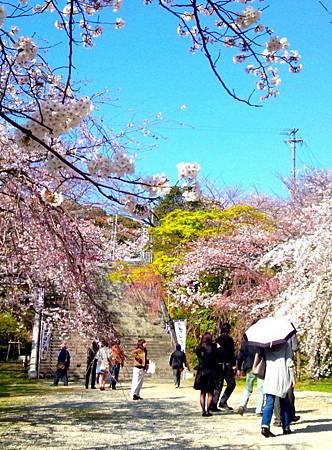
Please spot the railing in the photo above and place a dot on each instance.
(169, 323)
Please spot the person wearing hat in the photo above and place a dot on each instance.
(62, 365)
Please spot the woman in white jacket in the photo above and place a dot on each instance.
(279, 376)
(103, 363)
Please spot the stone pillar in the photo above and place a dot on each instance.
(34, 358)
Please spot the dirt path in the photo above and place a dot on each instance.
(167, 418)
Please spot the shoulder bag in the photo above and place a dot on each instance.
(259, 366)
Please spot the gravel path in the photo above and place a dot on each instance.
(168, 418)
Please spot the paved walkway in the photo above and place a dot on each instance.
(168, 418)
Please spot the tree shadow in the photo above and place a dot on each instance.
(328, 421)
(163, 424)
(303, 411)
(119, 423)
(316, 428)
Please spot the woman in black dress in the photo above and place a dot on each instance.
(206, 373)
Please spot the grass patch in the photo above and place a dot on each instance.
(14, 382)
(321, 385)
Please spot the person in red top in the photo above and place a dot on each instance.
(117, 361)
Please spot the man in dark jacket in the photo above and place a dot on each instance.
(91, 365)
(177, 361)
(62, 366)
(245, 362)
(226, 366)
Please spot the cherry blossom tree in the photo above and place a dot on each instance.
(303, 264)
(54, 124)
(45, 244)
(43, 104)
(219, 271)
(213, 27)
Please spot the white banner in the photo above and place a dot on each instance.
(38, 298)
(44, 341)
(180, 327)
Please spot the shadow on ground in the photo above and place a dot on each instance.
(119, 424)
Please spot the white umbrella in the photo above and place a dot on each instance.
(270, 331)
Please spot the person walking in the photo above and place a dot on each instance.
(91, 365)
(277, 381)
(103, 363)
(62, 366)
(140, 365)
(206, 373)
(177, 361)
(294, 343)
(117, 361)
(226, 368)
(244, 363)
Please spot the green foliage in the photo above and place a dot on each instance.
(211, 282)
(164, 264)
(199, 321)
(172, 201)
(322, 385)
(181, 226)
(11, 329)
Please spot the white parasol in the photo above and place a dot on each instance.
(270, 331)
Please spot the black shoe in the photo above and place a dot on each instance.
(225, 406)
(266, 432)
(240, 410)
(286, 431)
(93, 387)
(295, 419)
(137, 397)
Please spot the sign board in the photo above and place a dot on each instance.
(38, 298)
(180, 327)
(44, 341)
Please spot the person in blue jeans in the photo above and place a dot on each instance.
(278, 379)
(244, 363)
(62, 366)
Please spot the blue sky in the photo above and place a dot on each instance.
(150, 70)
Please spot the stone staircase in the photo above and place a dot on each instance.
(133, 321)
(159, 349)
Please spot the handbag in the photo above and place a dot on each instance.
(103, 366)
(259, 366)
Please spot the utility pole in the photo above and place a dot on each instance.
(293, 141)
(114, 236)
